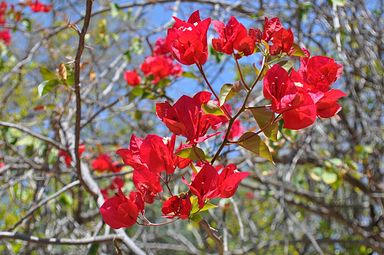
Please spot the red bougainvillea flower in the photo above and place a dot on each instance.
(281, 38)
(157, 155)
(270, 27)
(295, 105)
(327, 106)
(5, 36)
(3, 10)
(160, 67)
(119, 211)
(161, 48)
(205, 184)
(132, 78)
(317, 73)
(233, 36)
(153, 152)
(236, 130)
(147, 183)
(177, 206)
(37, 6)
(187, 118)
(137, 198)
(304, 94)
(187, 40)
(282, 41)
(229, 180)
(67, 157)
(104, 163)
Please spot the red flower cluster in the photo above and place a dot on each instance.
(132, 78)
(187, 40)
(234, 36)
(187, 118)
(67, 157)
(281, 38)
(104, 163)
(301, 96)
(3, 11)
(208, 184)
(37, 6)
(5, 35)
(158, 66)
(120, 211)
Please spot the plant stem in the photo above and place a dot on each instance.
(242, 109)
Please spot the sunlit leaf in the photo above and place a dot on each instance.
(47, 86)
(264, 117)
(252, 142)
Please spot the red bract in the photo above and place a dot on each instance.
(154, 153)
(233, 36)
(3, 10)
(177, 206)
(270, 27)
(147, 183)
(229, 180)
(104, 163)
(161, 48)
(137, 199)
(236, 130)
(157, 155)
(187, 40)
(5, 36)
(67, 156)
(119, 211)
(281, 38)
(36, 6)
(282, 41)
(327, 106)
(160, 67)
(205, 184)
(318, 73)
(295, 105)
(187, 118)
(132, 78)
(302, 95)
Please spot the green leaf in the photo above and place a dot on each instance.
(46, 87)
(70, 76)
(195, 206)
(338, 2)
(189, 75)
(264, 116)
(194, 153)
(316, 173)
(114, 9)
(212, 108)
(226, 93)
(137, 92)
(252, 142)
(298, 51)
(47, 74)
(329, 177)
(27, 23)
(196, 218)
(93, 249)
